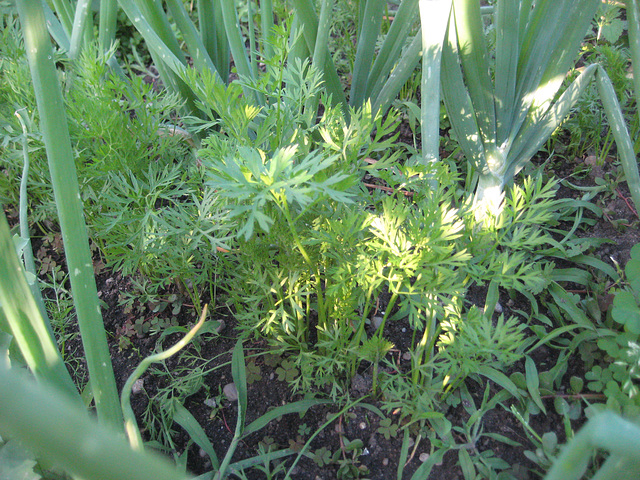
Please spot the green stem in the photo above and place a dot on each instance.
(131, 428)
(321, 304)
(27, 252)
(620, 133)
(633, 22)
(69, 204)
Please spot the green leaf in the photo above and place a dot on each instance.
(613, 30)
(16, 463)
(468, 469)
(239, 374)
(626, 311)
(533, 383)
(183, 417)
(632, 271)
(499, 378)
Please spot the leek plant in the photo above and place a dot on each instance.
(219, 36)
(605, 431)
(503, 112)
(67, 194)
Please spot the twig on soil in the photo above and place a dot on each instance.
(626, 200)
(225, 421)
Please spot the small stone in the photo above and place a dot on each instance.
(385, 461)
(406, 356)
(202, 453)
(362, 426)
(411, 442)
(591, 160)
(404, 330)
(376, 322)
(230, 391)
(498, 307)
(210, 402)
(424, 457)
(220, 327)
(137, 386)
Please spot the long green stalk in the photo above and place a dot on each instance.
(25, 322)
(305, 12)
(371, 22)
(606, 431)
(434, 15)
(27, 253)
(633, 22)
(107, 24)
(620, 133)
(80, 27)
(69, 204)
(198, 51)
(391, 49)
(131, 428)
(398, 76)
(61, 431)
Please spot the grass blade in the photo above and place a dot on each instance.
(183, 417)
(533, 383)
(68, 202)
(239, 374)
(295, 407)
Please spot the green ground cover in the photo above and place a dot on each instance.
(333, 240)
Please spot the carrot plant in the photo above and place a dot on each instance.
(23, 324)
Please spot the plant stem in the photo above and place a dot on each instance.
(69, 204)
(322, 315)
(131, 427)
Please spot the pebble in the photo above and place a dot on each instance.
(220, 327)
(406, 356)
(385, 461)
(362, 425)
(424, 457)
(137, 386)
(210, 402)
(498, 307)
(230, 391)
(376, 322)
